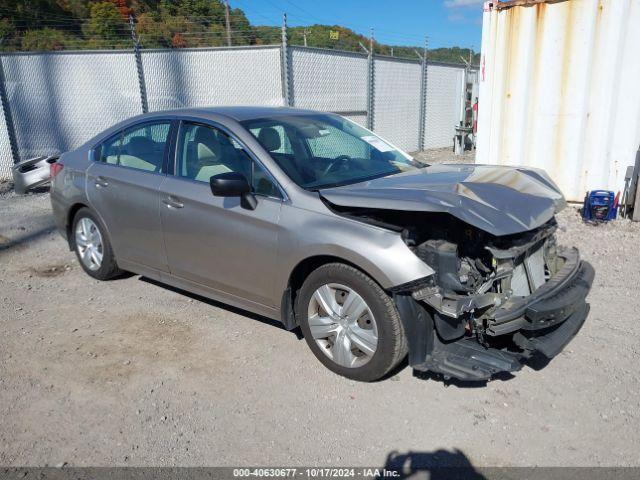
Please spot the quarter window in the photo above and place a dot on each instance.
(205, 151)
(141, 147)
(110, 149)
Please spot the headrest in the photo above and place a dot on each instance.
(208, 138)
(140, 146)
(269, 138)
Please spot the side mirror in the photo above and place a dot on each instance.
(230, 184)
(233, 184)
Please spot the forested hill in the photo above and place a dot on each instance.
(32, 25)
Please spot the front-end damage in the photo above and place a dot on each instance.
(493, 301)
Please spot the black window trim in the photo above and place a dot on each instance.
(172, 170)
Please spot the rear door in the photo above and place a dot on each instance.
(214, 241)
(122, 186)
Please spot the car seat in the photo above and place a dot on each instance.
(140, 153)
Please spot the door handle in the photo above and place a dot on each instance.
(172, 202)
(101, 182)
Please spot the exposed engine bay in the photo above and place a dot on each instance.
(475, 271)
(481, 290)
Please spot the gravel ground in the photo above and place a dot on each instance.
(129, 372)
(444, 155)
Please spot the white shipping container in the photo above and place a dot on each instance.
(560, 89)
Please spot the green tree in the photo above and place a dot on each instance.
(44, 39)
(105, 25)
(201, 11)
(153, 32)
(242, 33)
(7, 30)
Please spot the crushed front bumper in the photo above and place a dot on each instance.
(544, 323)
(549, 305)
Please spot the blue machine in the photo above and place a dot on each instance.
(600, 206)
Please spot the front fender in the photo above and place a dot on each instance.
(379, 252)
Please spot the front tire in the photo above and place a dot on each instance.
(92, 246)
(350, 324)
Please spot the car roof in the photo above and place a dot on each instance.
(237, 113)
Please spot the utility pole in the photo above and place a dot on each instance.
(228, 22)
(304, 35)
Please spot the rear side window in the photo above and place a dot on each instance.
(140, 147)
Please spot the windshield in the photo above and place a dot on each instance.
(325, 150)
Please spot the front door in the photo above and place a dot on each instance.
(214, 241)
(122, 186)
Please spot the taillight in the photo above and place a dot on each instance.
(55, 169)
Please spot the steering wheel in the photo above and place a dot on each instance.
(338, 163)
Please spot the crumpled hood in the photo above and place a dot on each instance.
(500, 200)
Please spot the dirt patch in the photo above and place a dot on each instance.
(50, 271)
(114, 348)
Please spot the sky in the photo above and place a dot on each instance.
(448, 23)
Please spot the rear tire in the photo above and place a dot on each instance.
(359, 335)
(92, 246)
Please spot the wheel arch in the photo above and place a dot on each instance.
(297, 277)
(71, 214)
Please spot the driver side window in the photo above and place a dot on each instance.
(205, 151)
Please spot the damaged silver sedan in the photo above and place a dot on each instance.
(310, 219)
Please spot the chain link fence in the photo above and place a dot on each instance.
(445, 104)
(396, 114)
(6, 159)
(59, 100)
(212, 76)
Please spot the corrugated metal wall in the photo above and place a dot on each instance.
(203, 77)
(560, 90)
(397, 101)
(60, 100)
